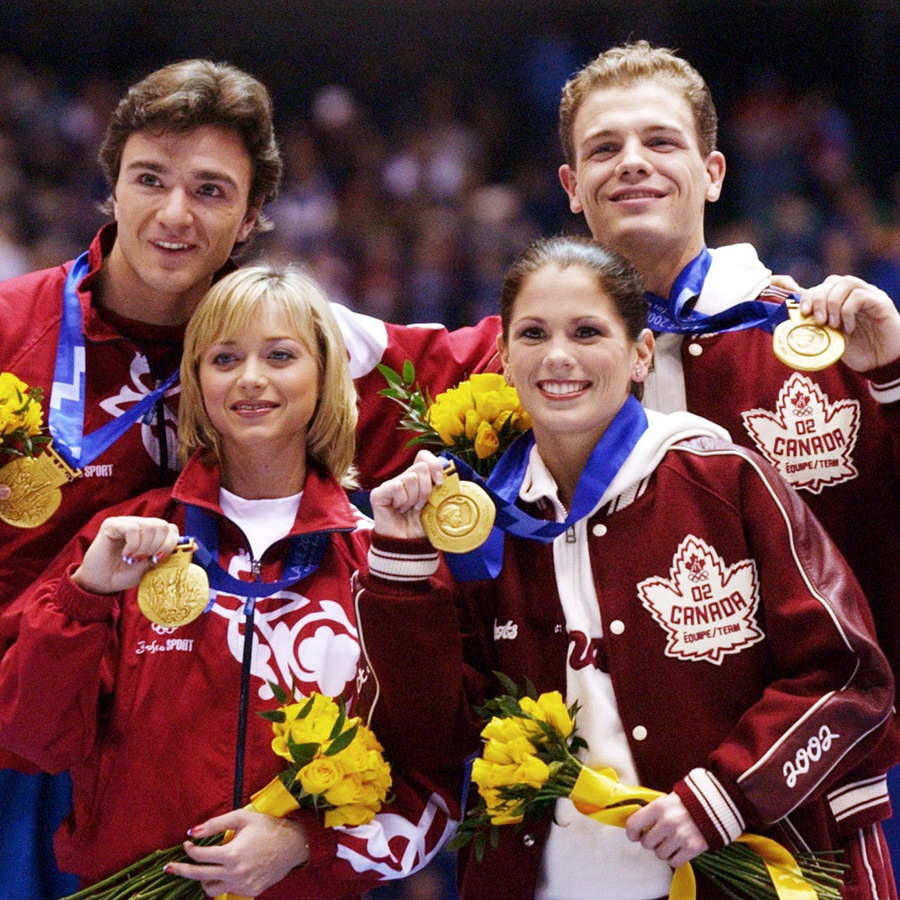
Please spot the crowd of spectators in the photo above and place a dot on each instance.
(418, 221)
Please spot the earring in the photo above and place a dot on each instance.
(507, 377)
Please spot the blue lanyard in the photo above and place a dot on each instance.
(672, 314)
(66, 416)
(303, 557)
(505, 482)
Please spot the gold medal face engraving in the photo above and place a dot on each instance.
(176, 591)
(458, 516)
(35, 484)
(803, 344)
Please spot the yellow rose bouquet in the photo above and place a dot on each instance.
(477, 420)
(21, 417)
(335, 764)
(528, 762)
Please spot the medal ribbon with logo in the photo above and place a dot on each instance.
(66, 418)
(504, 483)
(35, 483)
(177, 591)
(797, 340)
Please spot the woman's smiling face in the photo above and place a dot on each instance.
(260, 387)
(569, 353)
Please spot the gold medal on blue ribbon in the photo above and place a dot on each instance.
(34, 484)
(176, 591)
(801, 343)
(459, 514)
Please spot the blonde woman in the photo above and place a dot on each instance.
(159, 725)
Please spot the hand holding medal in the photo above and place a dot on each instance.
(459, 515)
(175, 591)
(126, 550)
(801, 343)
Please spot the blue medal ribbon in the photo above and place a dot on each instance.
(303, 557)
(675, 315)
(505, 482)
(67, 399)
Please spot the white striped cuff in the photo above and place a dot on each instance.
(886, 393)
(850, 799)
(405, 567)
(716, 803)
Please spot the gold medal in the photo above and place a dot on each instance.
(34, 483)
(803, 344)
(176, 591)
(459, 515)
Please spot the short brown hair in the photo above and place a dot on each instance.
(225, 310)
(631, 64)
(195, 92)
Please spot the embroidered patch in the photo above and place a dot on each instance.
(808, 439)
(706, 608)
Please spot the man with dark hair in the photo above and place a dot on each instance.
(191, 159)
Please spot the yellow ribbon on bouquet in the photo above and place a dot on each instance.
(598, 794)
(273, 800)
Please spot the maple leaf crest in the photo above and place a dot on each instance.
(709, 621)
(808, 438)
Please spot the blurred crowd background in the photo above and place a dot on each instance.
(420, 135)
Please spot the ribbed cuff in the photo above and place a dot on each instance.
(82, 605)
(858, 804)
(402, 560)
(884, 383)
(710, 807)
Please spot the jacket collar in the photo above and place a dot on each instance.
(323, 507)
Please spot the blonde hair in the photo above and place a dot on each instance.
(225, 310)
(631, 64)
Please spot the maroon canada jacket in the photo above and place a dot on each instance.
(782, 709)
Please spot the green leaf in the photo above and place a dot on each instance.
(279, 692)
(390, 376)
(342, 741)
(305, 710)
(338, 726)
(507, 684)
(409, 372)
(302, 754)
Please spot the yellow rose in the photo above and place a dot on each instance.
(513, 751)
(473, 420)
(492, 775)
(501, 811)
(486, 441)
(33, 419)
(506, 729)
(12, 397)
(532, 771)
(316, 726)
(345, 790)
(366, 738)
(448, 422)
(550, 708)
(349, 814)
(320, 775)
